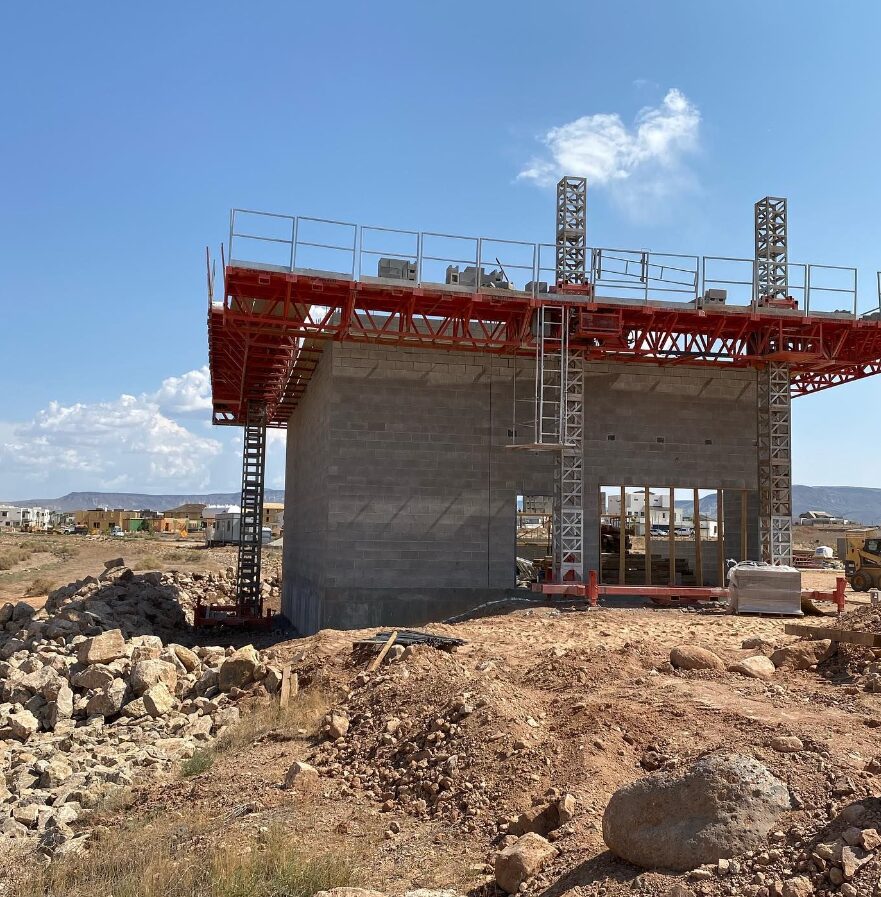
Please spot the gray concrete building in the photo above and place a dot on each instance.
(402, 484)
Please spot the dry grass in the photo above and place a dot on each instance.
(148, 562)
(303, 713)
(301, 717)
(42, 585)
(9, 557)
(168, 857)
(200, 762)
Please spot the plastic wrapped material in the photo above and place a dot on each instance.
(764, 589)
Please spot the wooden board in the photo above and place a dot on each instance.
(289, 685)
(849, 636)
(381, 656)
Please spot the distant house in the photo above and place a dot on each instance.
(104, 520)
(822, 518)
(191, 515)
(25, 519)
(273, 516)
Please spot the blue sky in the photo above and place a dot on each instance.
(130, 130)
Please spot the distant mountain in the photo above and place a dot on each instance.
(857, 503)
(81, 501)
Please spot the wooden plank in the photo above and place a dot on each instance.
(374, 664)
(849, 636)
(289, 685)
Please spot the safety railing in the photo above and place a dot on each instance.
(640, 275)
(340, 248)
(874, 314)
(831, 288)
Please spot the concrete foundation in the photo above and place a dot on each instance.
(401, 489)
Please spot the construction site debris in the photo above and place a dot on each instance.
(406, 638)
(90, 699)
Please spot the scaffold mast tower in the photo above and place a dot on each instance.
(563, 369)
(773, 391)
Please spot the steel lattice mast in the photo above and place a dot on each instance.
(774, 421)
(771, 250)
(571, 271)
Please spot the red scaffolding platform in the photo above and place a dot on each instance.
(266, 335)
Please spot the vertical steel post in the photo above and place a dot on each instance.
(774, 426)
(671, 535)
(251, 520)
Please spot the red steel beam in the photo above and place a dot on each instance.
(265, 339)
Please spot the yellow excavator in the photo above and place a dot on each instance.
(861, 552)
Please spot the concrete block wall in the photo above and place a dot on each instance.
(401, 457)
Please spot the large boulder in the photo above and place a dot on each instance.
(188, 658)
(108, 701)
(722, 807)
(756, 667)
(692, 657)
(102, 648)
(238, 669)
(301, 776)
(147, 673)
(521, 860)
(158, 700)
(93, 677)
(23, 724)
(802, 655)
(61, 708)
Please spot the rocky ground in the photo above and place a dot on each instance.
(95, 691)
(741, 760)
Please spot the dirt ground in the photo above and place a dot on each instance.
(569, 699)
(59, 559)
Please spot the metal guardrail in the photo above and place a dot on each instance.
(288, 243)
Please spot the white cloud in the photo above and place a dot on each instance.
(645, 161)
(188, 394)
(129, 441)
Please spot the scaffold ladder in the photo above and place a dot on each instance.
(251, 521)
(775, 463)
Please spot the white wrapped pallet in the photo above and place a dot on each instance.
(764, 589)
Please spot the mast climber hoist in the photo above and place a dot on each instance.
(559, 394)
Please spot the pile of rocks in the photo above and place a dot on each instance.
(764, 661)
(137, 603)
(88, 699)
(408, 744)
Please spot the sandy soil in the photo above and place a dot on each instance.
(581, 690)
(60, 559)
